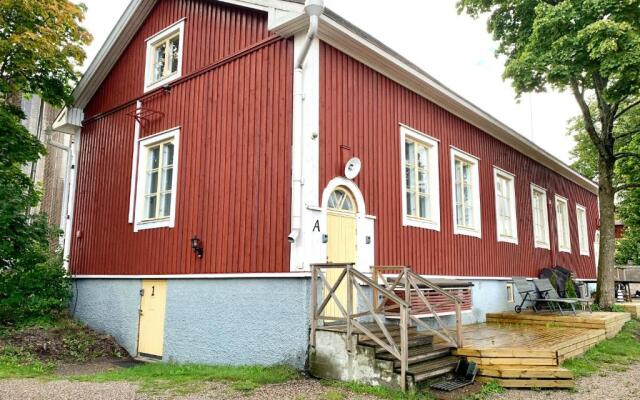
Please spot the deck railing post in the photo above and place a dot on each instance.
(313, 306)
(459, 324)
(407, 290)
(350, 282)
(374, 290)
(404, 346)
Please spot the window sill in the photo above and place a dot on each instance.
(565, 251)
(585, 254)
(163, 223)
(407, 221)
(149, 87)
(542, 246)
(509, 240)
(467, 232)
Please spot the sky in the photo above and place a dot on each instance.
(454, 49)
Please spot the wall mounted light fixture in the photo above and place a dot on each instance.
(196, 246)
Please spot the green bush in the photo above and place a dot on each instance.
(33, 282)
(570, 289)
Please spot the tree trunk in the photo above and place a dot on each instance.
(606, 263)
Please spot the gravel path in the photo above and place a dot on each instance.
(606, 385)
(33, 389)
(610, 385)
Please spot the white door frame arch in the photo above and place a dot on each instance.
(365, 241)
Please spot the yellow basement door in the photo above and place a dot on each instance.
(152, 307)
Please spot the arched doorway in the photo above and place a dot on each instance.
(341, 245)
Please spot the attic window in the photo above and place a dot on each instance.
(164, 56)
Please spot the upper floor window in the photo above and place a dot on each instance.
(420, 189)
(164, 56)
(506, 219)
(466, 194)
(157, 178)
(540, 217)
(562, 222)
(583, 233)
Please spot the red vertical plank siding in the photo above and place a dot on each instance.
(362, 109)
(212, 31)
(234, 163)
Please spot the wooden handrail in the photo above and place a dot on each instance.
(353, 279)
(435, 287)
(412, 280)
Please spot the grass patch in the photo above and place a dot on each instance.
(381, 392)
(615, 353)
(15, 363)
(189, 378)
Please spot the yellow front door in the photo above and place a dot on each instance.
(152, 306)
(341, 232)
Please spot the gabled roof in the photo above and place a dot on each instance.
(286, 17)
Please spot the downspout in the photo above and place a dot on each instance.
(313, 8)
(69, 165)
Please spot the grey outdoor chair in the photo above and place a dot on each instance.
(545, 286)
(529, 293)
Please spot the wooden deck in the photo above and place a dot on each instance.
(527, 349)
(611, 322)
(632, 308)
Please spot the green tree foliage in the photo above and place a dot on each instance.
(590, 48)
(41, 48)
(585, 158)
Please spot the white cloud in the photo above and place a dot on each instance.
(454, 49)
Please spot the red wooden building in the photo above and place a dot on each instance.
(211, 140)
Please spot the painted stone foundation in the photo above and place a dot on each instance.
(331, 360)
(209, 321)
(239, 321)
(109, 306)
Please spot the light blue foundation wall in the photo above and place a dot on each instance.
(232, 321)
(109, 306)
(237, 321)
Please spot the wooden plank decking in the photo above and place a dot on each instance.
(633, 308)
(611, 322)
(527, 349)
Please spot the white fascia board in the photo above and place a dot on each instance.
(274, 275)
(126, 27)
(281, 13)
(398, 70)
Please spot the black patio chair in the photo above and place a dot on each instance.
(545, 286)
(529, 293)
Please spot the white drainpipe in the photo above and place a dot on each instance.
(313, 8)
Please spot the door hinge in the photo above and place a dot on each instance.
(140, 312)
(141, 292)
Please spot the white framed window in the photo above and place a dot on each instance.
(540, 217)
(562, 224)
(583, 232)
(466, 193)
(163, 62)
(506, 214)
(420, 186)
(157, 180)
(510, 293)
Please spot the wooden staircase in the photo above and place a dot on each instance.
(425, 360)
(379, 339)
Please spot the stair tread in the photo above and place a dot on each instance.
(433, 365)
(415, 352)
(412, 335)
